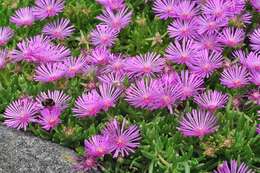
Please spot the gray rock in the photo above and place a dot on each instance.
(23, 153)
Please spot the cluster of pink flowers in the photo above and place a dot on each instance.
(201, 30)
(115, 139)
(45, 110)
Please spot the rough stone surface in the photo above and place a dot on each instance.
(23, 153)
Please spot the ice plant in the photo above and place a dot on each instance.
(258, 125)
(123, 140)
(49, 72)
(109, 95)
(47, 8)
(118, 20)
(112, 4)
(6, 33)
(141, 94)
(53, 99)
(180, 29)
(97, 146)
(165, 9)
(211, 100)
(186, 10)
(148, 64)
(218, 9)
(232, 37)
(208, 42)
(233, 167)
(23, 17)
(235, 77)
(103, 36)
(256, 4)
(166, 94)
(205, 63)
(116, 64)
(198, 123)
(20, 113)
(99, 56)
(49, 118)
(85, 163)
(88, 105)
(255, 40)
(254, 96)
(115, 79)
(181, 52)
(209, 24)
(190, 84)
(251, 61)
(58, 29)
(74, 66)
(39, 49)
(3, 58)
(255, 78)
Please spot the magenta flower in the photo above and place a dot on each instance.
(148, 64)
(218, 9)
(254, 96)
(49, 72)
(85, 163)
(165, 9)
(59, 29)
(97, 146)
(166, 94)
(88, 105)
(117, 64)
(49, 118)
(181, 52)
(211, 100)
(206, 63)
(190, 84)
(118, 20)
(23, 17)
(198, 123)
(115, 79)
(236, 7)
(255, 78)
(233, 167)
(3, 57)
(109, 95)
(74, 66)
(142, 93)
(179, 29)
(256, 4)
(209, 42)
(47, 8)
(53, 99)
(208, 24)
(255, 40)
(103, 36)
(258, 125)
(235, 77)
(6, 33)
(251, 61)
(186, 10)
(20, 113)
(123, 140)
(99, 56)
(112, 4)
(39, 49)
(232, 37)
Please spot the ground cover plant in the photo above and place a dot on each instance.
(136, 85)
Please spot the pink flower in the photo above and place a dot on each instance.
(235, 77)
(123, 140)
(198, 123)
(47, 8)
(74, 66)
(49, 118)
(20, 113)
(23, 17)
(165, 9)
(232, 37)
(186, 10)
(97, 146)
(3, 57)
(6, 34)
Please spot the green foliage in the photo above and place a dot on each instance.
(163, 148)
